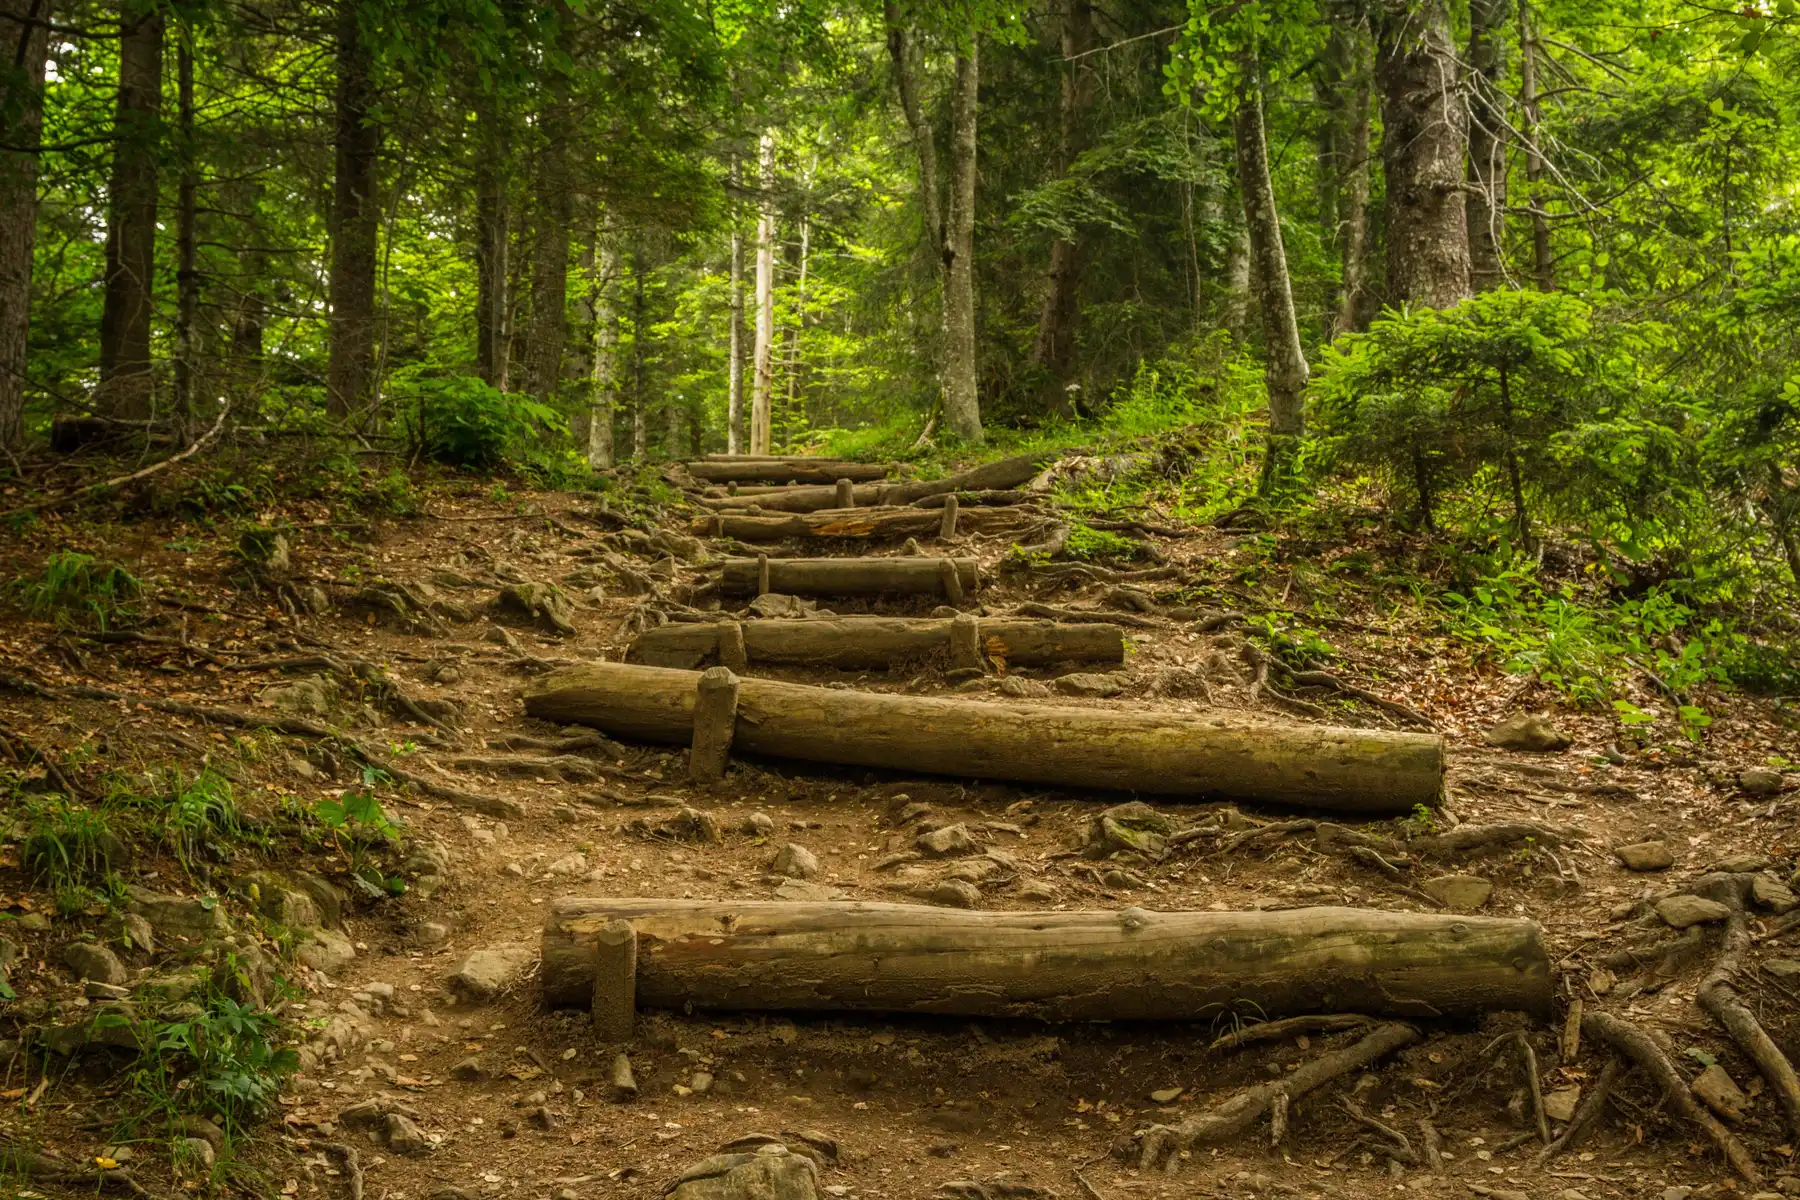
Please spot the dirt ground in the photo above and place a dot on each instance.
(908, 1105)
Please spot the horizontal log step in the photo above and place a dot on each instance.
(899, 576)
(855, 643)
(778, 470)
(887, 522)
(998, 476)
(1064, 966)
(1161, 753)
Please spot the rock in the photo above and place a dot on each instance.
(1782, 968)
(194, 918)
(565, 814)
(313, 696)
(1719, 1092)
(802, 889)
(758, 824)
(1653, 855)
(1168, 1095)
(568, 864)
(947, 842)
(1560, 1104)
(90, 961)
(1677, 1193)
(1090, 683)
(33, 922)
(1459, 892)
(1788, 1185)
(1135, 828)
(1772, 894)
(95, 990)
(952, 893)
(469, 1070)
(430, 933)
(771, 1172)
(775, 606)
(131, 931)
(691, 825)
(1024, 689)
(1037, 891)
(1682, 910)
(1742, 864)
(796, 862)
(700, 1082)
(484, 974)
(404, 1137)
(542, 603)
(197, 1151)
(1759, 781)
(1528, 731)
(325, 950)
(541, 1117)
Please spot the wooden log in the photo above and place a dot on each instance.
(911, 576)
(950, 581)
(1060, 966)
(846, 494)
(823, 471)
(614, 992)
(715, 720)
(965, 642)
(1163, 753)
(947, 527)
(887, 522)
(859, 643)
(764, 574)
(1004, 475)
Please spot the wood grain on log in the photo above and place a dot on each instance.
(785, 471)
(1070, 966)
(909, 576)
(999, 476)
(1180, 754)
(858, 643)
(887, 522)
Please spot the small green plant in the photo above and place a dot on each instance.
(357, 823)
(1088, 543)
(69, 847)
(1422, 822)
(202, 812)
(465, 422)
(76, 586)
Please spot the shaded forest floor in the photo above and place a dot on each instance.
(385, 629)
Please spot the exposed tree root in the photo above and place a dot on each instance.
(1586, 1114)
(1162, 1145)
(353, 1175)
(1719, 997)
(1391, 707)
(1398, 1147)
(16, 1159)
(1534, 1085)
(1275, 1031)
(1034, 609)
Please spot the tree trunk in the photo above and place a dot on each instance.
(1286, 370)
(962, 401)
(640, 403)
(1053, 350)
(764, 370)
(1543, 267)
(549, 330)
(1487, 144)
(492, 337)
(355, 222)
(24, 29)
(734, 369)
(605, 395)
(1162, 753)
(126, 383)
(899, 45)
(187, 272)
(1425, 134)
(796, 420)
(1094, 965)
(785, 470)
(1237, 280)
(873, 643)
(1354, 97)
(849, 576)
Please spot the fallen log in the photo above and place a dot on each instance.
(1001, 476)
(1181, 754)
(907, 576)
(780, 470)
(857, 643)
(887, 522)
(1060, 966)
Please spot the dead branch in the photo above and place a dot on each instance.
(1718, 996)
(1589, 1110)
(1275, 1031)
(1034, 609)
(1398, 1147)
(1391, 707)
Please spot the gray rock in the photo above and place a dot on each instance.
(1742, 864)
(193, 918)
(775, 606)
(1682, 910)
(1528, 731)
(796, 862)
(1024, 689)
(1782, 968)
(1653, 855)
(1133, 827)
(404, 1137)
(1559, 1105)
(314, 696)
(1037, 891)
(770, 1173)
(758, 824)
(198, 1151)
(1760, 781)
(1090, 683)
(325, 950)
(947, 842)
(1460, 892)
(131, 931)
(484, 974)
(952, 893)
(1772, 894)
(1715, 1087)
(802, 889)
(543, 603)
(90, 961)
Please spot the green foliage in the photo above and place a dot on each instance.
(200, 813)
(80, 588)
(357, 823)
(68, 846)
(463, 422)
(1090, 544)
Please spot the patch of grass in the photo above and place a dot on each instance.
(69, 848)
(80, 588)
(1090, 544)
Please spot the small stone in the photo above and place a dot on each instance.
(185, 916)
(1559, 1105)
(1090, 683)
(953, 893)
(775, 606)
(565, 814)
(1024, 689)
(1788, 1185)
(325, 950)
(758, 824)
(469, 1070)
(1742, 864)
(1677, 1193)
(796, 862)
(1782, 968)
(1715, 1087)
(1037, 891)
(543, 603)
(1772, 894)
(942, 1149)
(1168, 1095)
(133, 932)
(90, 961)
(541, 1117)
(198, 1151)
(1458, 891)
(1653, 855)
(805, 889)
(484, 974)
(1760, 781)
(430, 933)
(1528, 731)
(404, 1137)
(568, 864)
(947, 842)
(1682, 910)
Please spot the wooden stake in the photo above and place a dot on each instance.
(615, 982)
(947, 527)
(624, 1083)
(715, 720)
(846, 494)
(950, 581)
(732, 652)
(965, 641)
(762, 574)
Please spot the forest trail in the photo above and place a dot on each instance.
(430, 1052)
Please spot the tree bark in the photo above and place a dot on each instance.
(126, 383)
(962, 401)
(1094, 965)
(605, 396)
(1486, 202)
(855, 523)
(1425, 134)
(640, 402)
(1355, 94)
(858, 643)
(995, 476)
(1285, 370)
(355, 222)
(492, 219)
(1543, 267)
(549, 330)
(1171, 754)
(784, 470)
(187, 271)
(764, 370)
(1053, 350)
(848, 576)
(24, 31)
(734, 369)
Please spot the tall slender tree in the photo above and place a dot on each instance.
(187, 233)
(126, 382)
(355, 224)
(962, 401)
(1053, 349)
(1424, 138)
(25, 30)
(734, 365)
(1486, 201)
(492, 151)
(763, 372)
(551, 216)
(1543, 266)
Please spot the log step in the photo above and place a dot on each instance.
(785, 470)
(998, 476)
(889, 522)
(1062, 966)
(899, 576)
(1170, 754)
(856, 643)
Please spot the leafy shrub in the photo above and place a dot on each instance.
(76, 585)
(221, 1058)
(465, 422)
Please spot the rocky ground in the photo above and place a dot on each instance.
(428, 1066)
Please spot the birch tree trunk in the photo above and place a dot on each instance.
(797, 330)
(605, 384)
(1286, 370)
(24, 26)
(764, 377)
(126, 384)
(187, 274)
(548, 332)
(1486, 200)
(640, 403)
(1053, 350)
(492, 337)
(962, 402)
(734, 369)
(1425, 133)
(1543, 267)
(1237, 279)
(355, 222)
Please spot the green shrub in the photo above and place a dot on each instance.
(465, 422)
(80, 586)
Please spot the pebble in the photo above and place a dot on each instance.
(1653, 855)
(1720, 1092)
(796, 862)
(1458, 891)
(1681, 911)
(1528, 731)
(946, 842)
(1760, 781)
(759, 824)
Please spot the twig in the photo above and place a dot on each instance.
(1274, 1031)
(121, 480)
(1398, 1147)
(1392, 707)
